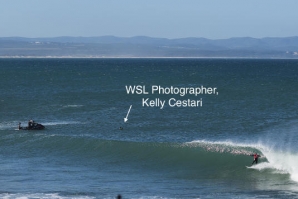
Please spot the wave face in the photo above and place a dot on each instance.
(227, 159)
(200, 161)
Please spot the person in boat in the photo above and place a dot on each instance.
(256, 157)
(19, 127)
(30, 124)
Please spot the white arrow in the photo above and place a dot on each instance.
(125, 119)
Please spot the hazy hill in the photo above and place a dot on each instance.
(141, 46)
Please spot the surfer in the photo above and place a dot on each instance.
(256, 157)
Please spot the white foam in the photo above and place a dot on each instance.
(262, 166)
(40, 195)
(229, 143)
(60, 123)
(13, 125)
(72, 106)
(227, 146)
(283, 161)
(8, 125)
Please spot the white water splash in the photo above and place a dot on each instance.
(72, 106)
(280, 161)
(13, 125)
(227, 146)
(60, 123)
(284, 162)
(9, 125)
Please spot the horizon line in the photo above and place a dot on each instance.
(144, 36)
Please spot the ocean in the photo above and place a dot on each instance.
(215, 114)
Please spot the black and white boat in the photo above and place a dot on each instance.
(32, 126)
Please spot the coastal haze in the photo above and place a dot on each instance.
(138, 28)
(141, 46)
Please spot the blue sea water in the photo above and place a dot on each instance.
(174, 152)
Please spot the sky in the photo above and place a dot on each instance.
(212, 19)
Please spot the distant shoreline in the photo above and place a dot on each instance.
(147, 47)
